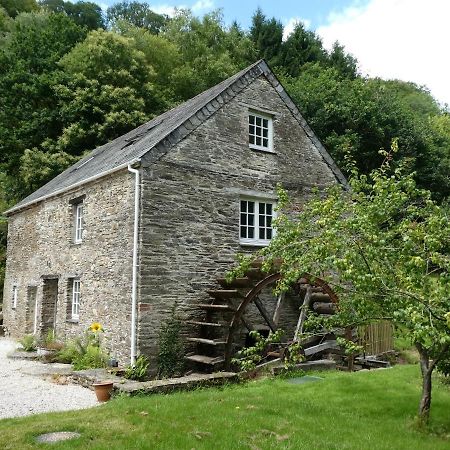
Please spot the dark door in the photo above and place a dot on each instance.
(49, 304)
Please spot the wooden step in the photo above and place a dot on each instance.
(202, 359)
(327, 345)
(324, 308)
(206, 341)
(320, 297)
(236, 283)
(254, 273)
(206, 324)
(224, 294)
(213, 307)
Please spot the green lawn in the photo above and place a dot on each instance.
(363, 410)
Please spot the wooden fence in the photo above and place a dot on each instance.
(376, 338)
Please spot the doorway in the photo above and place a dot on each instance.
(49, 305)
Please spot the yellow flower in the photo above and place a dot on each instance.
(95, 327)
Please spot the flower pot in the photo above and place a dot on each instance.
(103, 390)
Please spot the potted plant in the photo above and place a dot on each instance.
(103, 390)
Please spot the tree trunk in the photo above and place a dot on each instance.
(427, 370)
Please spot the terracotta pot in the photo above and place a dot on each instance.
(103, 390)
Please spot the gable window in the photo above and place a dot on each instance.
(78, 222)
(256, 221)
(74, 299)
(15, 294)
(260, 131)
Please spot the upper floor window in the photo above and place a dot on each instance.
(78, 222)
(14, 297)
(260, 131)
(256, 221)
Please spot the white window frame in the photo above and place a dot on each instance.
(262, 116)
(15, 295)
(256, 240)
(76, 295)
(78, 223)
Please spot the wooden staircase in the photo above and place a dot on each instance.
(225, 308)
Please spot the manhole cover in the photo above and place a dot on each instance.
(303, 380)
(57, 436)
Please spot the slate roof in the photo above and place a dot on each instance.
(163, 131)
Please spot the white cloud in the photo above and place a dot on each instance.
(290, 24)
(404, 39)
(166, 9)
(201, 5)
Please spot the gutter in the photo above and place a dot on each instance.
(135, 262)
(72, 186)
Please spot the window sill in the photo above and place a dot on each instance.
(254, 244)
(75, 321)
(261, 149)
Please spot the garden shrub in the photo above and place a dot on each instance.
(171, 348)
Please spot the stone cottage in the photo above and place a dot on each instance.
(155, 216)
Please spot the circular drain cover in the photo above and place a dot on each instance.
(305, 379)
(57, 436)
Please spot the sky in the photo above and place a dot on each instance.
(403, 39)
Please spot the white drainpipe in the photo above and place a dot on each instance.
(135, 262)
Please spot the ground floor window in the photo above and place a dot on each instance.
(14, 297)
(256, 221)
(74, 295)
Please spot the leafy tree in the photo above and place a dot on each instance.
(345, 63)
(138, 14)
(301, 47)
(29, 54)
(267, 36)
(109, 92)
(360, 116)
(205, 50)
(86, 14)
(384, 247)
(15, 7)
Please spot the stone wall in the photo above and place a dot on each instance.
(41, 248)
(190, 203)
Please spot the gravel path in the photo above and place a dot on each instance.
(23, 392)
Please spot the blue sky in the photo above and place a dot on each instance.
(392, 39)
(315, 12)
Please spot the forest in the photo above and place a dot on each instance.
(73, 77)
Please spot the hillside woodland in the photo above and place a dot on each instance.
(73, 77)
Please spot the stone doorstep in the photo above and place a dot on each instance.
(174, 384)
(308, 366)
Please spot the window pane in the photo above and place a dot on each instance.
(244, 219)
(269, 233)
(251, 139)
(258, 141)
(265, 123)
(243, 206)
(265, 143)
(262, 208)
(251, 129)
(251, 219)
(243, 232)
(251, 207)
(265, 132)
(262, 221)
(268, 221)
(251, 232)
(258, 121)
(261, 233)
(269, 209)
(251, 119)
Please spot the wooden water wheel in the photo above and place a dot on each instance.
(235, 307)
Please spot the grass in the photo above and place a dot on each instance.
(359, 410)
